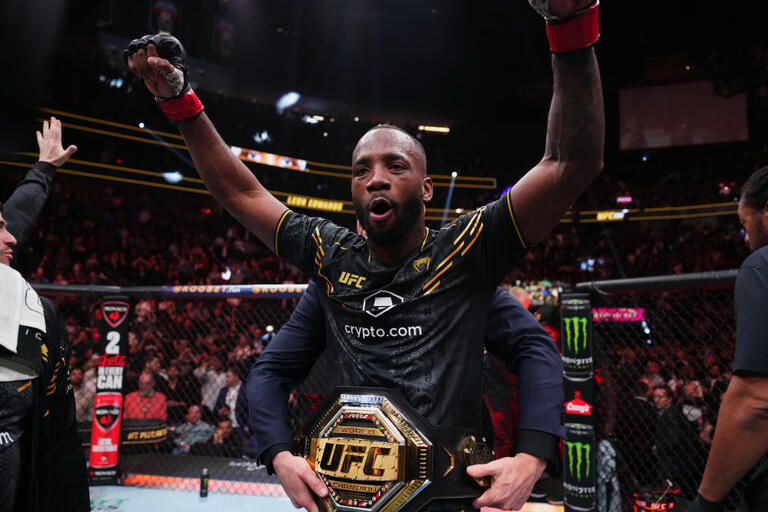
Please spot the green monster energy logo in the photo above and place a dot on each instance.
(573, 326)
(583, 451)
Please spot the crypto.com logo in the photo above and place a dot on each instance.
(380, 302)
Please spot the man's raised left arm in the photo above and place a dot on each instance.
(573, 155)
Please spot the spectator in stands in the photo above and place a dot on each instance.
(693, 401)
(268, 335)
(90, 368)
(243, 349)
(155, 367)
(671, 440)
(146, 403)
(652, 373)
(635, 434)
(232, 402)
(226, 442)
(83, 396)
(178, 393)
(212, 379)
(194, 430)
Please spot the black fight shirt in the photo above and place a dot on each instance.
(751, 303)
(417, 327)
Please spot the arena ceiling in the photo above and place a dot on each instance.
(481, 61)
(469, 60)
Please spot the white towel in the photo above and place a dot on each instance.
(19, 307)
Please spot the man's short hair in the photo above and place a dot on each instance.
(754, 192)
(666, 389)
(419, 146)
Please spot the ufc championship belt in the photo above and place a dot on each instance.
(375, 453)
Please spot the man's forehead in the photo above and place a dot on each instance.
(384, 140)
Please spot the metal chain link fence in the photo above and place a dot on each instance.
(660, 377)
(197, 352)
(661, 367)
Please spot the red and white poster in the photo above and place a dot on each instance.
(108, 402)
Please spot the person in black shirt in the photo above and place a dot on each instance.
(45, 468)
(740, 439)
(512, 333)
(406, 308)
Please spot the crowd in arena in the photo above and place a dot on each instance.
(126, 235)
(188, 360)
(659, 407)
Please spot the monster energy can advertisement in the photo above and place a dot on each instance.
(576, 334)
(579, 467)
(578, 379)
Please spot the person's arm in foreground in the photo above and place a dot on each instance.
(281, 367)
(740, 437)
(573, 155)
(742, 422)
(516, 337)
(229, 180)
(22, 209)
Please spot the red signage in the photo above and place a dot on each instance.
(578, 406)
(105, 431)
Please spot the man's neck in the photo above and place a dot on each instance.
(391, 255)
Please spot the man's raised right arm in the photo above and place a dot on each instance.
(161, 62)
(230, 181)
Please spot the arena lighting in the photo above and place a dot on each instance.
(261, 137)
(173, 177)
(435, 129)
(624, 199)
(325, 134)
(357, 119)
(141, 125)
(312, 119)
(449, 197)
(645, 158)
(287, 100)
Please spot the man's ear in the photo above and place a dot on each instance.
(764, 215)
(427, 188)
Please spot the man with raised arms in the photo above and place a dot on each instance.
(412, 319)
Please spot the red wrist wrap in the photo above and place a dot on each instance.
(575, 34)
(182, 108)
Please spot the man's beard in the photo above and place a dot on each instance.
(760, 238)
(406, 214)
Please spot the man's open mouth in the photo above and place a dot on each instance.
(379, 209)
